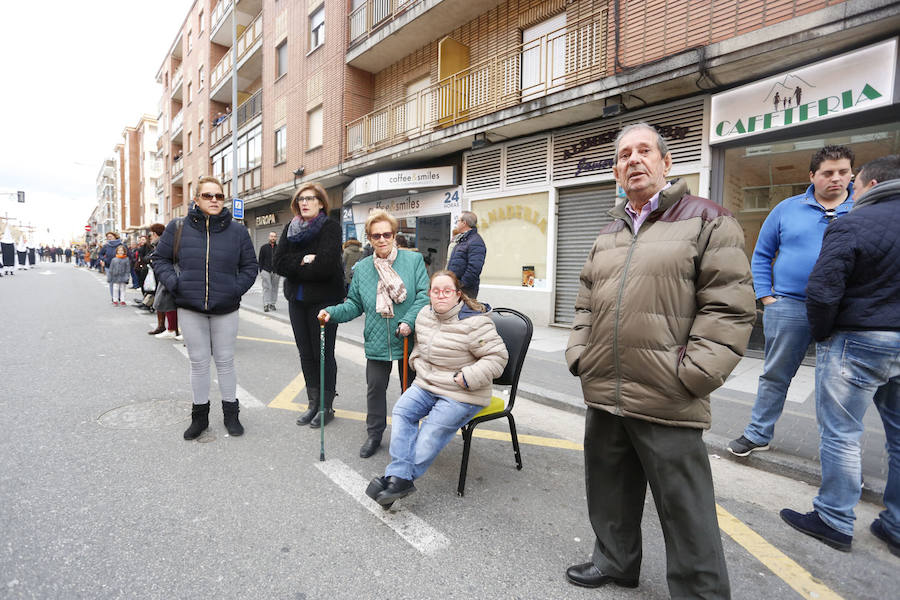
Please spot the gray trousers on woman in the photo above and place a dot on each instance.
(216, 333)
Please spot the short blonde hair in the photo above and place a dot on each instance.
(378, 215)
(207, 179)
(318, 191)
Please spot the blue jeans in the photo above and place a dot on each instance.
(854, 369)
(413, 449)
(787, 338)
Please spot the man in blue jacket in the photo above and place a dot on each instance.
(469, 252)
(853, 304)
(785, 252)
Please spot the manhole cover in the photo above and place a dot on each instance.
(146, 415)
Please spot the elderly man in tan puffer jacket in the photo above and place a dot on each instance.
(663, 315)
(457, 356)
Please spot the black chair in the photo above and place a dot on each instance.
(515, 329)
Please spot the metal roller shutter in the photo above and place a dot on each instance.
(582, 213)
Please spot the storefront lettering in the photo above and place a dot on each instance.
(670, 132)
(394, 206)
(269, 219)
(402, 177)
(798, 114)
(585, 165)
(514, 212)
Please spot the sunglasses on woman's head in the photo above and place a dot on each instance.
(208, 196)
(377, 236)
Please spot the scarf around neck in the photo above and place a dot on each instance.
(302, 232)
(390, 286)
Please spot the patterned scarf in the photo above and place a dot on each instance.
(303, 232)
(390, 287)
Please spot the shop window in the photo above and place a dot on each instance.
(514, 230)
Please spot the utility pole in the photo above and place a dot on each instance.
(234, 99)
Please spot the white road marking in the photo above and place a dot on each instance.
(419, 534)
(247, 399)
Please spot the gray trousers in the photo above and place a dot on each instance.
(623, 454)
(378, 374)
(270, 281)
(210, 334)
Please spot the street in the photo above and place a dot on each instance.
(100, 497)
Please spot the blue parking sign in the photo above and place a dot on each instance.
(237, 208)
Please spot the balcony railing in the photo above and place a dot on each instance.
(177, 168)
(221, 131)
(177, 122)
(374, 14)
(249, 181)
(250, 108)
(246, 41)
(219, 13)
(177, 77)
(566, 57)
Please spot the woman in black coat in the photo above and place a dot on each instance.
(308, 256)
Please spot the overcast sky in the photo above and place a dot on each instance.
(74, 75)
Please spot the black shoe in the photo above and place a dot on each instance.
(369, 447)
(589, 576)
(812, 525)
(266, 308)
(317, 420)
(307, 416)
(272, 306)
(743, 447)
(156, 331)
(877, 529)
(199, 421)
(376, 486)
(396, 489)
(232, 424)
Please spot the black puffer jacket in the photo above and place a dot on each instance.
(216, 261)
(856, 281)
(323, 278)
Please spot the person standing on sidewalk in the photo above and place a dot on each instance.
(309, 257)
(786, 250)
(267, 274)
(468, 254)
(117, 274)
(853, 306)
(663, 314)
(206, 260)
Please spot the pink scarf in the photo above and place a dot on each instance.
(390, 287)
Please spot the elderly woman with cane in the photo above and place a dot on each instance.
(458, 354)
(390, 287)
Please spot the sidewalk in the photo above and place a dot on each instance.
(546, 379)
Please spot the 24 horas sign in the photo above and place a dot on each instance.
(852, 82)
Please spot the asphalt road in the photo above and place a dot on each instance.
(100, 497)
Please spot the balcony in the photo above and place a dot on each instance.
(560, 59)
(221, 132)
(249, 181)
(249, 65)
(177, 169)
(249, 109)
(176, 126)
(381, 32)
(177, 81)
(222, 14)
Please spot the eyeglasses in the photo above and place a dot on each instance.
(208, 196)
(377, 236)
(830, 214)
(307, 199)
(438, 293)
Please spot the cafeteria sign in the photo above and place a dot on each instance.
(852, 82)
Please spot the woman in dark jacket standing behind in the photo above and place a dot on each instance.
(308, 256)
(206, 260)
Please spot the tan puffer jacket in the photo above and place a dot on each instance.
(663, 317)
(459, 340)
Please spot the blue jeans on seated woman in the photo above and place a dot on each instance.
(413, 449)
(853, 370)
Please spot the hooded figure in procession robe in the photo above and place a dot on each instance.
(21, 254)
(8, 246)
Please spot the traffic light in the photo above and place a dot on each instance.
(21, 195)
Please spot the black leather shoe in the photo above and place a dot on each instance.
(307, 416)
(369, 447)
(317, 422)
(397, 488)
(376, 486)
(589, 576)
(266, 308)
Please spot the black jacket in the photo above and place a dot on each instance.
(323, 278)
(467, 260)
(856, 281)
(216, 261)
(266, 256)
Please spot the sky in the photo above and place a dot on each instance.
(74, 75)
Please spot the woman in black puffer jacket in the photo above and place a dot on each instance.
(206, 260)
(308, 256)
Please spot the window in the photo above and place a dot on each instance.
(190, 92)
(249, 150)
(190, 190)
(317, 28)
(280, 145)
(543, 57)
(200, 22)
(200, 136)
(190, 141)
(200, 78)
(281, 58)
(314, 128)
(190, 41)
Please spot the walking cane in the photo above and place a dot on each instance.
(322, 389)
(405, 362)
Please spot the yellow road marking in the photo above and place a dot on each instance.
(774, 559)
(285, 398)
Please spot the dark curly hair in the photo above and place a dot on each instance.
(830, 153)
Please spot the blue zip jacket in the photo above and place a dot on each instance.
(791, 236)
(217, 264)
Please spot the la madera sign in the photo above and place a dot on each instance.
(852, 82)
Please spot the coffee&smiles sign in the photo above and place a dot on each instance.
(860, 80)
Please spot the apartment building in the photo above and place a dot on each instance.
(105, 216)
(140, 170)
(509, 108)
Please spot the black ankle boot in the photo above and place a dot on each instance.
(313, 407)
(329, 412)
(231, 410)
(199, 421)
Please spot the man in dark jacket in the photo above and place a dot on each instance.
(267, 274)
(468, 254)
(142, 262)
(853, 307)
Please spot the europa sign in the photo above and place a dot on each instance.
(852, 82)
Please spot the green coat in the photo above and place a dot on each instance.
(380, 341)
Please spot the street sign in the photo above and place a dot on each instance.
(87, 227)
(237, 208)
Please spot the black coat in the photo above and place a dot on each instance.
(216, 261)
(266, 256)
(856, 281)
(323, 278)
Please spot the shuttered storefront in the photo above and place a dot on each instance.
(582, 212)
